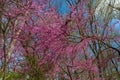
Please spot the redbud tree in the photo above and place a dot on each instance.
(37, 43)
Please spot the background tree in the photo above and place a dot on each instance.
(38, 43)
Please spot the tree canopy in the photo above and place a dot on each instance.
(38, 42)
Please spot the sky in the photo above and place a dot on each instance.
(117, 25)
(61, 6)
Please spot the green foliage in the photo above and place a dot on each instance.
(13, 76)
